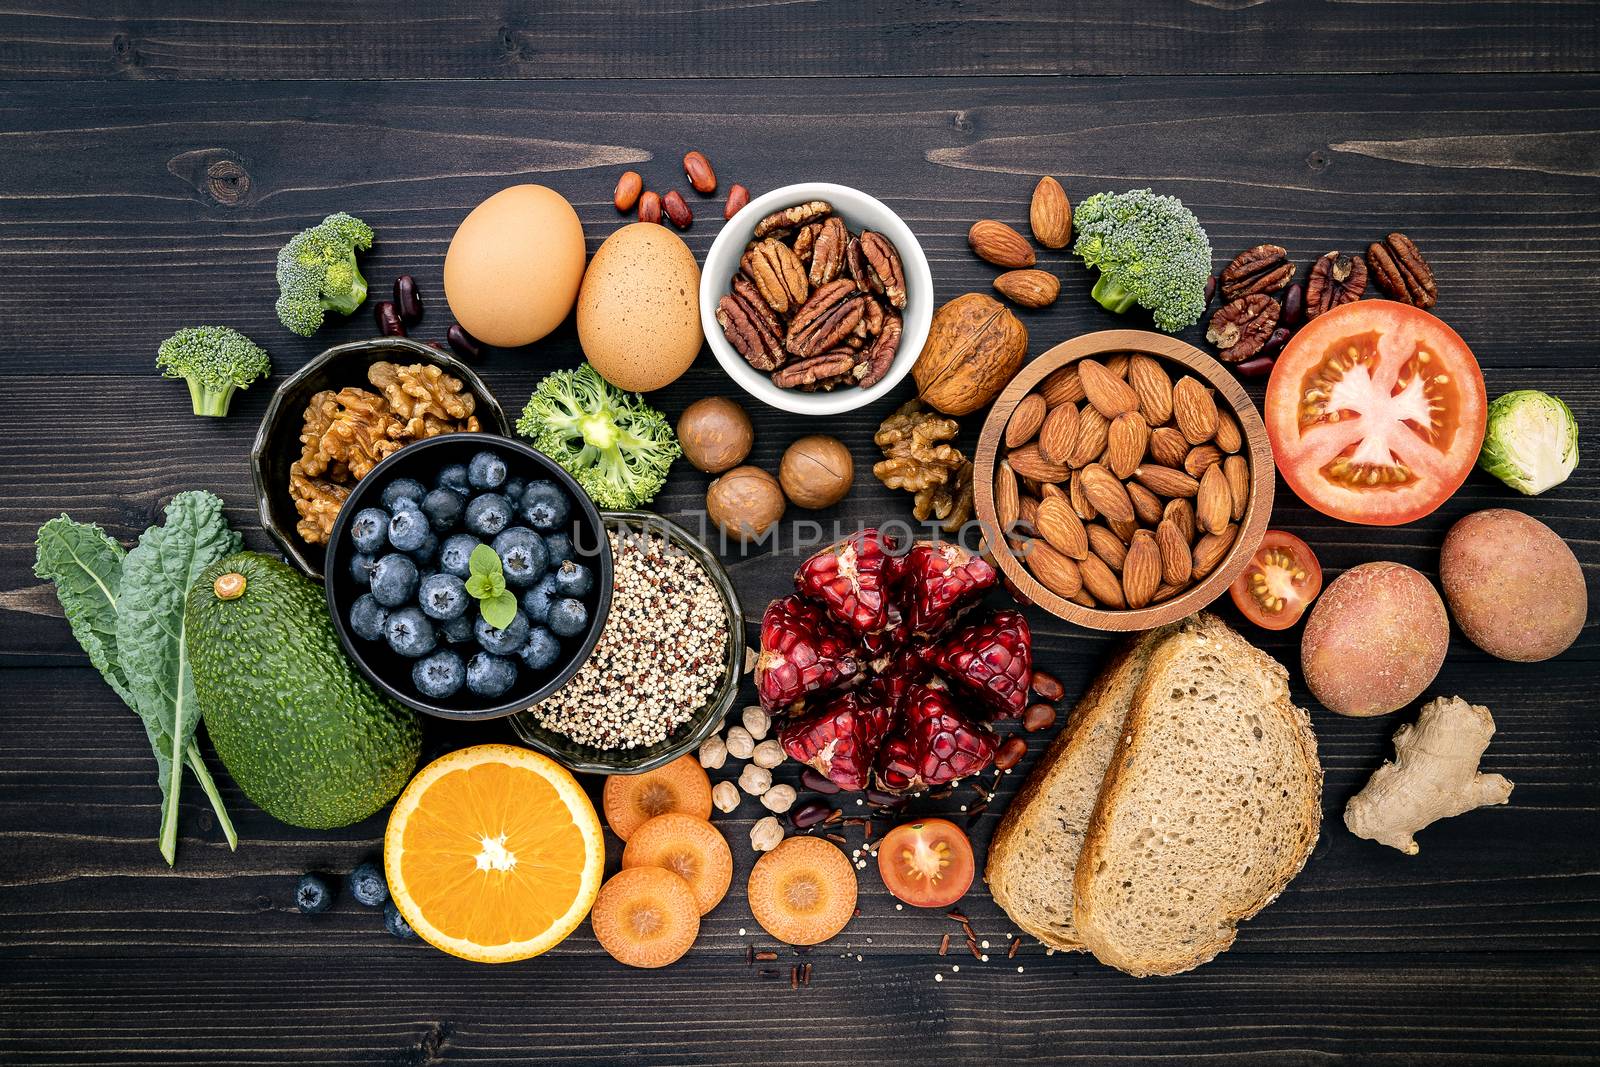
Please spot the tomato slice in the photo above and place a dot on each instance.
(1376, 412)
(927, 864)
(1280, 582)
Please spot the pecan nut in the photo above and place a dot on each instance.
(817, 373)
(746, 290)
(805, 241)
(1402, 272)
(1335, 279)
(783, 222)
(1240, 327)
(872, 319)
(826, 319)
(827, 255)
(885, 274)
(749, 333)
(1262, 269)
(875, 365)
(778, 274)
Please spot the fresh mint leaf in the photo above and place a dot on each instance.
(488, 580)
(483, 561)
(478, 587)
(498, 611)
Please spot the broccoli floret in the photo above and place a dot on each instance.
(615, 445)
(215, 360)
(1150, 250)
(317, 272)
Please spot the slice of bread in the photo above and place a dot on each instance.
(1212, 803)
(1035, 849)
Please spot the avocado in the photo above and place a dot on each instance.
(304, 735)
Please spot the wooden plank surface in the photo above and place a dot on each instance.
(1483, 949)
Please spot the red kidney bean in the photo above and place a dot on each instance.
(1279, 338)
(810, 814)
(463, 343)
(879, 799)
(1012, 749)
(629, 186)
(1254, 368)
(1048, 686)
(650, 206)
(1211, 287)
(1038, 717)
(1294, 304)
(738, 197)
(407, 300)
(677, 210)
(818, 782)
(388, 318)
(697, 168)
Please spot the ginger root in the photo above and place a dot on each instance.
(1434, 775)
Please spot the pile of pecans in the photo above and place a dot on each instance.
(813, 305)
(1119, 488)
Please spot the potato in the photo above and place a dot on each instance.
(1514, 587)
(1375, 640)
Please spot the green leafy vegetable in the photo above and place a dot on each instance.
(487, 583)
(1150, 250)
(1532, 441)
(89, 572)
(617, 447)
(215, 361)
(317, 272)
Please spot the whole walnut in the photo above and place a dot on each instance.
(975, 345)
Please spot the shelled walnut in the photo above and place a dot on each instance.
(919, 459)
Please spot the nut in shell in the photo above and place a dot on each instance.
(744, 503)
(975, 345)
(816, 471)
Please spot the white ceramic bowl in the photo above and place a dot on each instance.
(860, 212)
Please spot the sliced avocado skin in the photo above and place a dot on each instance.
(309, 740)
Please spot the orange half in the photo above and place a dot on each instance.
(493, 853)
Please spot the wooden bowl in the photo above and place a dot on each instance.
(1252, 525)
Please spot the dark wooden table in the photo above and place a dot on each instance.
(153, 160)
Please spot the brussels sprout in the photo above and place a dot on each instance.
(1532, 441)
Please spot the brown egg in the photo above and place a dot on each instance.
(639, 310)
(745, 503)
(715, 434)
(514, 266)
(817, 471)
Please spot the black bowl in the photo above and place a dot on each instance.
(390, 671)
(277, 442)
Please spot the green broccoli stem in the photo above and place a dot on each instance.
(210, 400)
(1110, 294)
(346, 302)
(599, 430)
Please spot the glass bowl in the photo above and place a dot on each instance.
(587, 759)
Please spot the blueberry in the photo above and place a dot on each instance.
(402, 489)
(522, 556)
(394, 580)
(369, 530)
(502, 642)
(426, 554)
(513, 489)
(486, 470)
(453, 558)
(536, 601)
(396, 923)
(368, 617)
(488, 514)
(573, 579)
(443, 509)
(541, 651)
(361, 565)
(367, 885)
(490, 676)
(409, 633)
(545, 506)
(439, 676)
(558, 547)
(455, 477)
(568, 617)
(457, 631)
(443, 596)
(312, 895)
(408, 530)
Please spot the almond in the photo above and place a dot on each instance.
(1028, 513)
(1209, 550)
(1031, 288)
(1167, 446)
(1194, 411)
(1107, 495)
(1123, 530)
(1051, 491)
(1118, 365)
(1126, 439)
(1080, 503)
(1166, 591)
(1055, 572)
(1091, 438)
(1164, 481)
(1050, 214)
(1062, 528)
(1200, 458)
(997, 243)
(1213, 504)
(1146, 505)
(1110, 395)
(1029, 462)
(1025, 420)
(1106, 545)
(1153, 387)
(1082, 597)
(1176, 563)
(1141, 570)
(1007, 500)
(1062, 386)
(1180, 512)
(1228, 438)
(1237, 471)
(1101, 582)
(1059, 434)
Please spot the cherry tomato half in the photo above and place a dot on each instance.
(1282, 580)
(927, 864)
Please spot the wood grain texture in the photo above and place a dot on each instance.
(130, 206)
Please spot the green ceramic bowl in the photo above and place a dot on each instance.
(587, 759)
